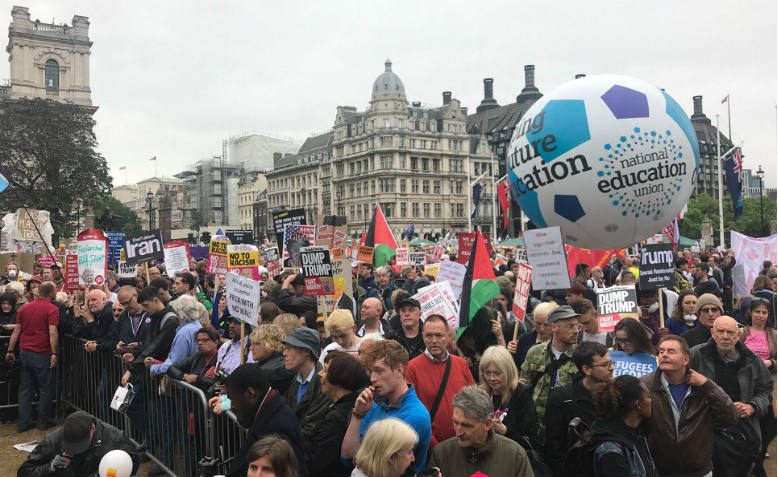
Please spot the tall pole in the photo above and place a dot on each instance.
(721, 183)
(494, 200)
(469, 199)
(761, 210)
(729, 118)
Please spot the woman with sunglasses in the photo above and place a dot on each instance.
(633, 337)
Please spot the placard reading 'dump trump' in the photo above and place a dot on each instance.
(317, 271)
(610, 159)
(615, 304)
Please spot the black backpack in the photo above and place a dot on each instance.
(579, 458)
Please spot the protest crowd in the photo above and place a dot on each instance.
(438, 359)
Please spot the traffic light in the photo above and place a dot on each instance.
(191, 239)
(205, 237)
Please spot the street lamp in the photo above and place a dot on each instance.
(760, 174)
(149, 204)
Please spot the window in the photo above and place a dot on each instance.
(436, 187)
(402, 186)
(423, 144)
(372, 186)
(351, 212)
(425, 187)
(459, 187)
(387, 208)
(437, 209)
(436, 165)
(339, 170)
(339, 192)
(351, 169)
(476, 169)
(425, 164)
(426, 210)
(402, 162)
(386, 141)
(460, 210)
(386, 162)
(415, 209)
(433, 144)
(386, 123)
(351, 190)
(403, 209)
(414, 163)
(399, 123)
(415, 186)
(52, 75)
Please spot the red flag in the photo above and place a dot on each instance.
(502, 194)
(593, 258)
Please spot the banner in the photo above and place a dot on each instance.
(593, 258)
(438, 299)
(418, 258)
(432, 270)
(750, 253)
(295, 238)
(240, 236)
(272, 260)
(521, 293)
(217, 254)
(636, 364)
(657, 266)
(546, 255)
(71, 273)
(176, 255)
(287, 217)
(123, 270)
(92, 254)
(342, 279)
(402, 256)
(317, 272)
(466, 246)
(243, 259)
(144, 247)
(243, 298)
(115, 244)
(614, 304)
(454, 274)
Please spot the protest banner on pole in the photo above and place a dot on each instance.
(402, 257)
(614, 304)
(466, 246)
(92, 257)
(657, 266)
(282, 219)
(546, 255)
(243, 297)
(365, 254)
(176, 255)
(71, 273)
(331, 231)
(635, 364)
(240, 236)
(454, 274)
(521, 293)
(342, 280)
(217, 254)
(243, 259)
(125, 270)
(295, 238)
(317, 271)
(115, 244)
(521, 255)
(144, 247)
(438, 299)
(272, 260)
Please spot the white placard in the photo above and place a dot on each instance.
(126, 271)
(454, 274)
(546, 255)
(243, 297)
(438, 299)
(176, 260)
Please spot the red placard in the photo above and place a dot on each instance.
(466, 246)
(71, 273)
(521, 294)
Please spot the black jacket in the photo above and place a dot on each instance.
(525, 342)
(322, 452)
(696, 336)
(414, 346)
(197, 364)
(632, 444)
(279, 377)
(564, 404)
(287, 301)
(313, 405)
(521, 419)
(105, 439)
(129, 335)
(103, 329)
(160, 338)
(275, 418)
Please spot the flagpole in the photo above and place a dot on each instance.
(494, 200)
(729, 118)
(469, 199)
(721, 183)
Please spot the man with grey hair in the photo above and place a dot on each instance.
(384, 286)
(476, 447)
(184, 345)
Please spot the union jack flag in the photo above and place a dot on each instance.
(738, 161)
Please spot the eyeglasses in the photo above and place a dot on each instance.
(604, 365)
(624, 340)
(492, 374)
(709, 310)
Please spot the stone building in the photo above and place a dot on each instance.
(49, 60)
(708, 170)
(250, 185)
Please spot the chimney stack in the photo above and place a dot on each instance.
(529, 92)
(488, 88)
(529, 76)
(697, 104)
(580, 75)
(488, 102)
(698, 115)
(446, 97)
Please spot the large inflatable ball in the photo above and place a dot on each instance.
(116, 463)
(610, 159)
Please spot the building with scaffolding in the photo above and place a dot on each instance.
(211, 193)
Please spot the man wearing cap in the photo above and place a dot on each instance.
(229, 353)
(549, 365)
(291, 298)
(76, 448)
(709, 308)
(304, 396)
(409, 333)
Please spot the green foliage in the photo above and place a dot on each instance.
(47, 153)
(748, 223)
(110, 214)
(197, 220)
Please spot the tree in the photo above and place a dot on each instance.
(110, 214)
(197, 221)
(47, 153)
(748, 223)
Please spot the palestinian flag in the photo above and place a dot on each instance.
(479, 285)
(380, 237)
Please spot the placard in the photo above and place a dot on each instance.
(432, 270)
(287, 217)
(144, 247)
(437, 299)
(217, 254)
(336, 253)
(635, 364)
(45, 261)
(92, 257)
(466, 246)
(272, 261)
(243, 297)
(243, 259)
(240, 236)
(402, 257)
(521, 255)
(454, 274)
(342, 278)
(124, 270)
(176, 253)
(418, 258)
(295, 238)
(615, 304)
(657, 266)
(25, 227)
(71, 273)
(331, 231)
(317, 272)
(521, 293)
(546, 255)
(115, 244)
(365, 254)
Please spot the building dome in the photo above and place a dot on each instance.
(388, 85)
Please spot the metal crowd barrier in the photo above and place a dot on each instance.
(10, 379)
(229, 438)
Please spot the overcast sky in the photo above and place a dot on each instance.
(172, 79)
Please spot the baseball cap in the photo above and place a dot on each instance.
(408, 302)
(76, 433)
(562, 313)
(304, 338)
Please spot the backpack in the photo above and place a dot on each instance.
(579, 458)
(168, 316)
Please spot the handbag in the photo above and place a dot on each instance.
(734, 452)
(122, 398)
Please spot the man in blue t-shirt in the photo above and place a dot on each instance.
(389, 395)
